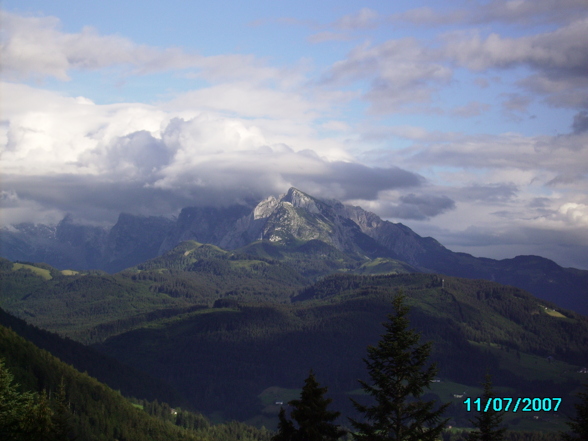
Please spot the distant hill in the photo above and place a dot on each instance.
(291, 220)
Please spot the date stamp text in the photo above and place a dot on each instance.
(513, 404)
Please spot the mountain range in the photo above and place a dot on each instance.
(230, 332)
(291, 219)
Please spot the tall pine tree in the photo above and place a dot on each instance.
(487, 423)
(579, 424)
(315, 422)
(399, 375)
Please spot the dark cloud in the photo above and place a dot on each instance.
(346, 180)
(242, 177)
(488, 193)
(580, 124)
(566, 179)
(539, 203)
(418, 207)
(93, 198)
(525, 12)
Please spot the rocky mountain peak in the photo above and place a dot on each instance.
(265, 208)
(300, 199)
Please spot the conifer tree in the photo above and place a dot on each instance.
(24, 416)
(579, 424)
(488, 423)
(61, 419)
(315, 422)
(286, 429)
(399, 377)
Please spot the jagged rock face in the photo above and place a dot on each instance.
(296, 217)
(65, 245)
(134, 239)
(293, 217)
(68, 245)
(21, 241)
(400, 239)
(204, 225)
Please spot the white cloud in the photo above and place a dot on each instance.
(471, 109)
(563, 50)
(404, 74)
(70, 155)
(573, 213)
(36, 47)
(364, 18)
(324, 36)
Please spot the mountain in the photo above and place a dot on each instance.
(70, 245)
(132, 240)
(203, 224)
(65, 245)
(290, 220)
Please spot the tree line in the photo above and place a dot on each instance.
(396, 410)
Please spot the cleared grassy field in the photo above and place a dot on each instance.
(69, 272)
(45, 274)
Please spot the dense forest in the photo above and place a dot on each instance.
(231, 334)
(42, 397)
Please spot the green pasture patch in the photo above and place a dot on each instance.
(69, 272)
(553, 312)
(45, 274)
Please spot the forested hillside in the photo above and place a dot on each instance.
(226, 357)
(66, 401)
(236, 332)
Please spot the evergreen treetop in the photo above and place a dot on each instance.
(397, 368)
(315, 422)
(488, 423)
(579, 423)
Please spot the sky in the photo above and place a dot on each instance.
(465, 120)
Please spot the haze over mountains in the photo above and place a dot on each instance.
(292, 218)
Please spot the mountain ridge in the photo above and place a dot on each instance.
(291, 218)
